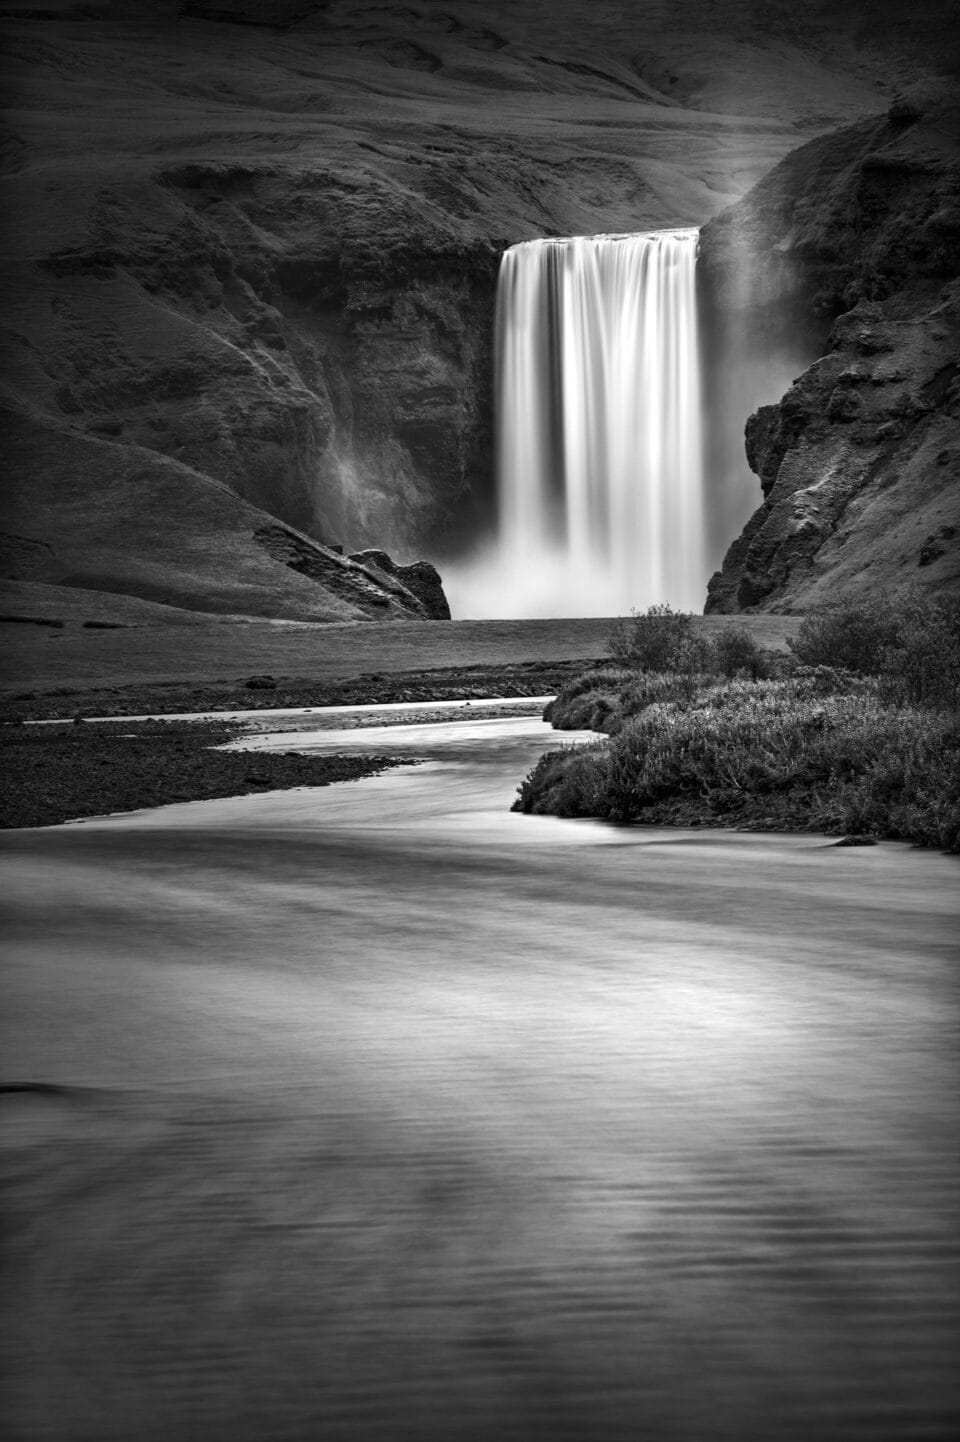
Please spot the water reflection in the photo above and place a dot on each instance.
(379, 1112)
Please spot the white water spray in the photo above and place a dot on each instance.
(600, 476)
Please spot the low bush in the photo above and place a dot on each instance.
(922, 668)
(570, 782)
(736, 651)
(603, 700)
(781, 755)
(576, 702)
(850, 636)
(657, 688)
(855, 731)
(659, 639)
(587, 711)
(914, 646)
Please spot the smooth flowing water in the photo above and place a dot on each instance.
(376, 1112)
(600, 473)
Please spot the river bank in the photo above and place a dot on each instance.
(87, 767)
(62, 773)
(58, 665)
(51, 772)
(264, 691)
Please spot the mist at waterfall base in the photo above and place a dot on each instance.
(599, 466)
(620, 481)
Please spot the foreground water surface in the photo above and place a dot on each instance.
(377, 1112)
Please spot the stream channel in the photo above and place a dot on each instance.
(378, 1112)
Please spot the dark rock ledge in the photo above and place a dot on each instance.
(368, 579)
(420, 579)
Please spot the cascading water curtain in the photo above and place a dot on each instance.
(600, 473)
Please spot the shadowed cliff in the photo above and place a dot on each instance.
(854, 239)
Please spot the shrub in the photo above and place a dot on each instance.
(660, 639)
(649, 688)
(922, 668)
(653, 688)
(735, 650)
(827, 681)
(778, 754)
(601, 681)
(855, 730)
(915, 647)
(568, 782)
(604, 699)
(850, 636)
(586, 712)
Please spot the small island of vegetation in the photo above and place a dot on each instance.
(854, 732)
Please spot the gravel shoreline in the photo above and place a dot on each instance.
(265, 692)
(63, 772)
(52, 774)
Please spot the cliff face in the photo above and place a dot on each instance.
(857, 235)
(251, 250)
(311, 341)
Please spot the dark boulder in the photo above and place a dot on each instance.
(420, 578)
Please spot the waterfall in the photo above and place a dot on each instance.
(599, 468)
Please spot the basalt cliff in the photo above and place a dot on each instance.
(853, 239)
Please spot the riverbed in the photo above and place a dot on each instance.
(379, 1112)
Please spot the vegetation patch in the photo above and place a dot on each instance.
(857, 733)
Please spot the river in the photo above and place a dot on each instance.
(377, 1112)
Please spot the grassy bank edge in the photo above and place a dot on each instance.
(867, 749)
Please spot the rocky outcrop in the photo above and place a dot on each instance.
(859, 463)
(367, 579)
(421, 579)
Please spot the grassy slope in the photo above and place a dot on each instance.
(123, 519)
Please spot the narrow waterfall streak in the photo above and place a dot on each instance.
(599, 465)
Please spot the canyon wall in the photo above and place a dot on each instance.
(250, 254)
(853, 244)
